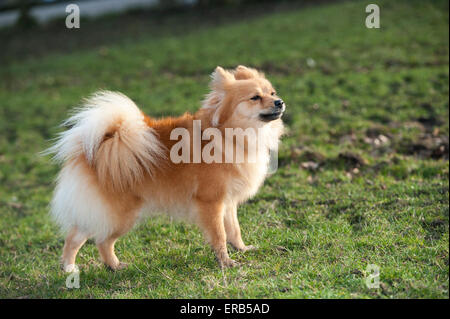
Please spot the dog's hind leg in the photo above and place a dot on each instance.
(74, 240)
(107, 254)
(233, 229)
(106, 246)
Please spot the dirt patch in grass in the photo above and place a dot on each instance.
(435, 228)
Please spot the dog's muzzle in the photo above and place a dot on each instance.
(276, 112)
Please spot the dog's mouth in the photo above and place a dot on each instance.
(267, 117)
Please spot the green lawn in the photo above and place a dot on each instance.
(363, 172)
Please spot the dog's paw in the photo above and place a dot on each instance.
(249, 247)
(70, 268)
(227, 262)
(121, 266)
(246, 248)
(117, 267)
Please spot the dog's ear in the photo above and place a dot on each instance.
(220, 79)
(244, 73)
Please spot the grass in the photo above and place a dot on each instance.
(363, 172)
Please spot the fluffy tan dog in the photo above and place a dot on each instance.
(118, 165)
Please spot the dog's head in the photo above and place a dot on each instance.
(242, 97)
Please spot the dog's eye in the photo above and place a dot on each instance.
(255, 98)
(273, 93)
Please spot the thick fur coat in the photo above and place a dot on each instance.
(117, 167)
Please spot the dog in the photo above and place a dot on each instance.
(117, 167)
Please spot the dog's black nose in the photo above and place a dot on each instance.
(278, 103)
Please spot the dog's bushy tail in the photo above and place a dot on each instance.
(110, 131)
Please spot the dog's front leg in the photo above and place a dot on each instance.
(233, 229)
(212, 223)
